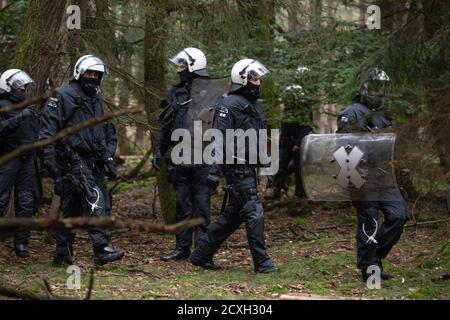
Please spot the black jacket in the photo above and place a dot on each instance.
(14, 129)
(360, 118)
(237, 112)
(68, 108)
(173, 114)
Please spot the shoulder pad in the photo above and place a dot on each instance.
(53, 102)
(222, 112)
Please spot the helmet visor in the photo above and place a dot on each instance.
(19, 80)
(181, 58)
(256, 70)
(376, 87)
(94, 64)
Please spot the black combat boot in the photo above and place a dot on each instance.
(384, 274)
(177, 254)
(21, 250)
(106, 255)
(63, 256)
(269, 269)
(207, 264)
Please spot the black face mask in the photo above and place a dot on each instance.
(250, 91)
(89, 86)
(19, 95)
(186, 76)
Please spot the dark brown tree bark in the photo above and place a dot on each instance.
(39, 43)
(156, 35)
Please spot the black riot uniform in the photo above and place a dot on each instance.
(189, 180)
(360, 118)
(291, 135)
(241, 198)
(16, 129)
(78, 164)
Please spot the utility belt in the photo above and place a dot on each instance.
(173, 170)
(89, 158)
(79, 177)
(239, 171)
(241, 194)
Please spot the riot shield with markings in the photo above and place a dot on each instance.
(349, 167)
(205, 94)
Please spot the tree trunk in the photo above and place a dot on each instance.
(155, 38)
(74, 44)
(39, 43)
(316, 13)
(436, 15)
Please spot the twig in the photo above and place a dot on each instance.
(155, 195)
(414, 207)
(91, 285)
(327, 227)
(5, 7)
(26, 103)
(26, 295)
(426, 222)
(48, 289)
(64, 133)
(13, 224)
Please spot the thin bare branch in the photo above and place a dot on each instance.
(91, 285)
(26, 295)
(64, 133)
(26, 103)
(8, 225)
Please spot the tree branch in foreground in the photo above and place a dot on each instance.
(8, 225)
(64, 133)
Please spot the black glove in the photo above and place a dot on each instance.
(156, 162)
(28, 112)
(212, 180)
(52, 167)
(58, 186)
(111, 170)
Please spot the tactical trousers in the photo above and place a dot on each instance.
(243, 206)
(20, 174)
(286, 155)
(193, 201)
(386, 235)
(74, 203)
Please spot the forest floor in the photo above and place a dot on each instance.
(312, 243)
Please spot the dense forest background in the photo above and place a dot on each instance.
(325, 46)
(330, 38)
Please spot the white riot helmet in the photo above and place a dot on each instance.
(89, 62)
(245, 70)
(194, 58)
(16, 81)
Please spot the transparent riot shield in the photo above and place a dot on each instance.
(349, 167)
(205, 94)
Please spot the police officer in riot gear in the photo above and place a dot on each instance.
(189, 180)
(238, 110)
(18, 128)
(79, 163)
(367, 115)
(296, 124)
